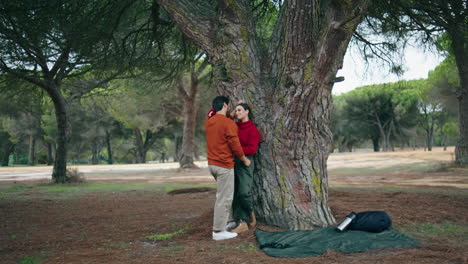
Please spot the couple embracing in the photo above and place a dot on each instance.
(231, 146)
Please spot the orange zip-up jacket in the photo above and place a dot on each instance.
(222, 141)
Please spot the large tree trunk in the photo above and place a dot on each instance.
(59, 173)
(343, 145)
(95, 152)
(140, 154)
(460, 49)
(50, 158)
(383, 135)
(375, 143)
(190, 112)
(461, 149)
(429, 139)
(188, 97)
(32, 150)
(188, 137)
(110, 159)
(288, 86)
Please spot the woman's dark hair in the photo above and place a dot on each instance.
(247, 107)
(219, 101)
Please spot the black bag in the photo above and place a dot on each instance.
(371, 221)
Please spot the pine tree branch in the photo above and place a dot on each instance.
(195, 18)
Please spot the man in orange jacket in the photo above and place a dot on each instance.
(223, 144)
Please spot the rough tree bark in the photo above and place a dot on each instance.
(289, 87)
(188, 96)
(59, 173)
(460, 49)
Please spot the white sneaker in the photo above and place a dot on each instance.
(223, 235)
(231, 225)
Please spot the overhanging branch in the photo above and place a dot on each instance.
(194, 18)
(22, 75)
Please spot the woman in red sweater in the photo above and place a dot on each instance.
(249, 138)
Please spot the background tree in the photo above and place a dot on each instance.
(347, 133)
(25, 127)
(188, 92)
(368, 109)
(47, 42)
(384, 113)
(99, 126)
(442, 84)
(21, 110)
(432, 112)
(427, 20)
(7, 144)
(146, 107)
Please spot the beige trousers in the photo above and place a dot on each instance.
(224, 195)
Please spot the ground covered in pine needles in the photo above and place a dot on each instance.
(151, 223)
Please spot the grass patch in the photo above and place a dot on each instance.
(30, 260)
(13, 190)
(453, 232)
(38, 259)
(119, 245)
(171, 250)
(18, 187)
(241, 247)
(161, 237)
(7, 193)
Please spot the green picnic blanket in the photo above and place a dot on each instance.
(316, 242)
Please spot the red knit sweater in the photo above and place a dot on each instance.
(249, 137)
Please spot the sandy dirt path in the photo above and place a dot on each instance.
(400, 168)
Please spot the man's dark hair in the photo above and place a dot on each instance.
(219, 101)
